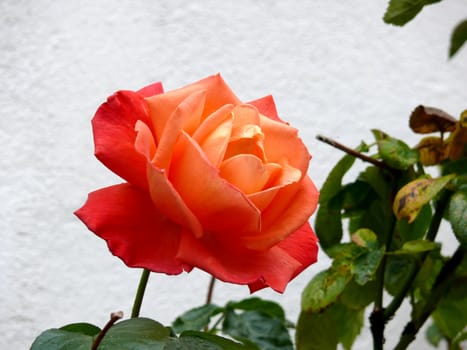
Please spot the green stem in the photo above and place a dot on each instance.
(440, 286)
(414, 268)
(140, 293)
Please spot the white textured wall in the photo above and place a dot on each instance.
(332, 66)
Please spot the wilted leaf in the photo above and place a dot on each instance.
(431, 150)
(399, 12)
(457, 142)
(458, 37)
(425, 120)
(196, 319)
(457, 215)
(414, 195)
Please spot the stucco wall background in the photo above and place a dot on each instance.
(333, 67)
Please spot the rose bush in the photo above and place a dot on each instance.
(210, 183)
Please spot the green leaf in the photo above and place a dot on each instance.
(399, 12)
(365, 266)
(83, 328)
(325, 288)
(268, 332)
(356, 296)
(136, 333)
(193, 340)
(417, 229)
(324, 330)
(328, 224)
(417, 246)
(450, 315)
(434, 335)
(396, 272)
(317, 331)
(458, 37)
(59, 339)
(396, 153)
(365, 238)
(267, 307)
(196, 319)
(457, 215)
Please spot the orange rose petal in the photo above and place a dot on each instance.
(262, 199)
(135, 231)
(220, 207)
(267, 107)
(290, 208)
(248, 172)
(162, 106)
(244, 115)
(282, 176)
(185, 117)
(275, 267)
(168, 201)
(115, 120)
(144, 142)
(282, 144)
(214, 133)
(302, 245)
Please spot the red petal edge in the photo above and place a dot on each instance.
(135, 231)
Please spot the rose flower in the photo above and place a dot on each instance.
(211, 183)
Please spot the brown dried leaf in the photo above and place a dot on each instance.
(425, 120)
(432, 150)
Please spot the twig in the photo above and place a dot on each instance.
(354, 153)
(114, 317)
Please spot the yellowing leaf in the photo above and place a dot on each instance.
(413, 196)
(432, 150)
(458, 139)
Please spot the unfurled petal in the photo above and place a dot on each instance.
(166, 198)
(151, 90)
(267, 107)
(274, 267)
(302, 245)
(162, 106)
(220, 207)
(134, 229)
(282, 145)
(185, 117)
(114, 136)
(290, 208)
